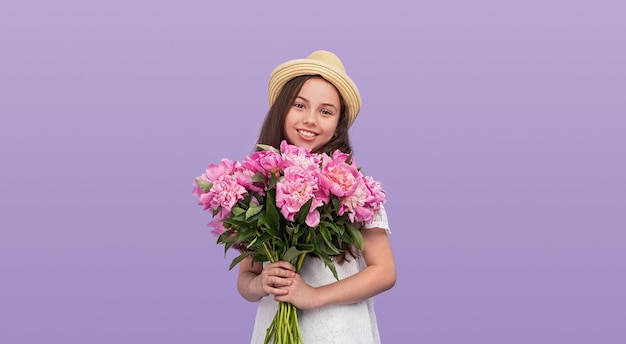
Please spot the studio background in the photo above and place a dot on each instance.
(497, 129)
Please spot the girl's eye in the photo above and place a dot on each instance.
(299, 105)
(326, 112)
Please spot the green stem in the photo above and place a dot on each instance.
(303, 255)
(284, 328)
(269, 254)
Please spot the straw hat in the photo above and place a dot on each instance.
(329, 67)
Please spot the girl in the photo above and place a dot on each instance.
(313, 102)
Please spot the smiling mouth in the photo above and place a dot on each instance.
(307, 133)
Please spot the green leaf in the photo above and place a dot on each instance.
(315, 241)
(251, 244)
(238, 259)
(240, 217)
(253, 210)
(335, 229)
(329, 263)
(241, 224)
(260, 198)
(325, 234)
(292, 255)
(237, 211)
(259, 178)
(260, 258)
(273, 216)
(330, 249)
(335, 202)
(262, 239)
(306, 247)
(304, 211)
(264, 225)
(356, 237)
(226, 236)
(298, 233)
(266, 147)
(273, 181)
(204, 185)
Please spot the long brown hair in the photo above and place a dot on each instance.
(273, 133)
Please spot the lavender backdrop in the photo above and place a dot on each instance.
(496, 127)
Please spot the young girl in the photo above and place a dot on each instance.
(313, 102)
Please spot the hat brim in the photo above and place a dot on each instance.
(294, 68)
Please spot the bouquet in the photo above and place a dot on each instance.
(284, 204)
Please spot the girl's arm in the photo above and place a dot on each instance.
(255, 281)
(378, 276)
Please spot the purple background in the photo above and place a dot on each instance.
(496, 128)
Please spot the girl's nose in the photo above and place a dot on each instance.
(309, 118)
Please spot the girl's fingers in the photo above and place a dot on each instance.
(283, 273)
(281, 282)
(283, 265)
(276, 276)
(275, 284)
(278, 292)
(281, 269)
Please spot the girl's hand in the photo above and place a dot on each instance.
(298, 293)
(276, 276)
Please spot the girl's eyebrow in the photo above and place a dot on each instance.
(301, 97)
(325, 104)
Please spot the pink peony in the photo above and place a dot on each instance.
(338, 177)
(244, 178)
(378, 194)
(298, 156)
(218, 227)
(214, 173)
(224, 167)
(296, 188)
(267, 162)
(225, 193)
(357, 204)
(225, 190)
(197, 190)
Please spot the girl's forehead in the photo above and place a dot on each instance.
(319, 89)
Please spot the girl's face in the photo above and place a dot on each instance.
(313, 117)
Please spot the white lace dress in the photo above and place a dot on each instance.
(341, 324)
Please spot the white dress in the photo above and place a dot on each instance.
(341, 324)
